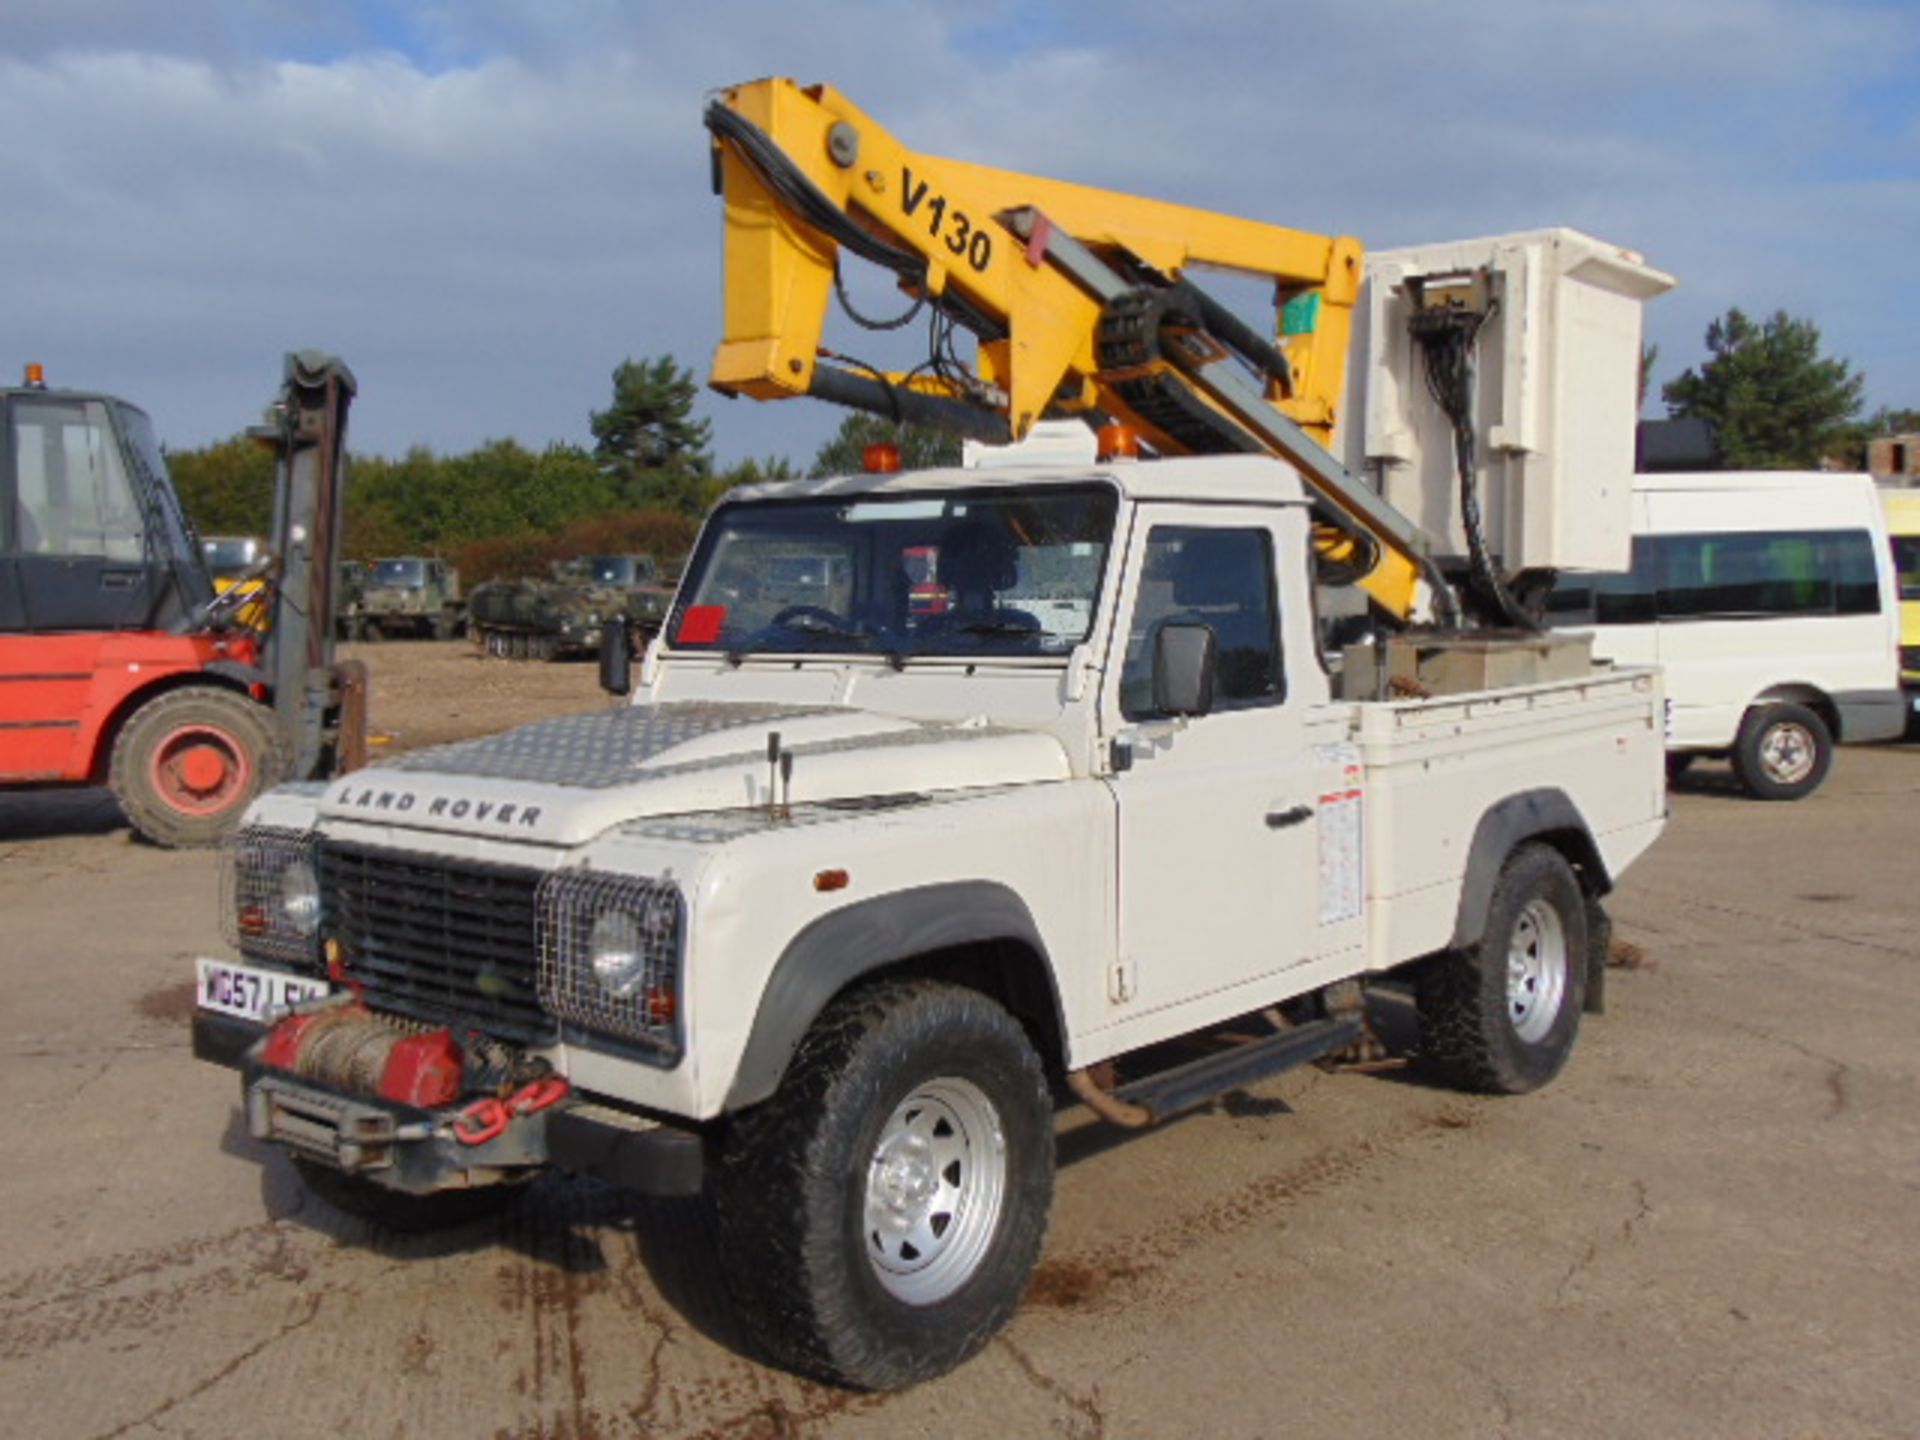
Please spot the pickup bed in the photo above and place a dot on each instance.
(867, 879)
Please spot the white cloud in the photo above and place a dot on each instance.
(485, 206)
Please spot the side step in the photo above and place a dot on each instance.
(1185, 1086)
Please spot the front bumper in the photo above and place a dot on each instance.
(417, 1151)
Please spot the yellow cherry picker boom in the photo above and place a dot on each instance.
(1077, 298)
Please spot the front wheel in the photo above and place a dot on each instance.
(1783, 752)
(1501, 1017)
(187, 763)
(881, 1215)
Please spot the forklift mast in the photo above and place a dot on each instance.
(307, 430)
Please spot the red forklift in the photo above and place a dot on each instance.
(120, 663)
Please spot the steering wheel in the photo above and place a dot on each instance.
(822, 619)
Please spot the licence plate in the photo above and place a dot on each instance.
(248, 991)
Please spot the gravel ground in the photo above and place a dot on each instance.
(1702, 1229)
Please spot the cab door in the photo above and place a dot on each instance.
(1218, 857)
(79, 557)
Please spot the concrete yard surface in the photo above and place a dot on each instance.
(1706, 1227)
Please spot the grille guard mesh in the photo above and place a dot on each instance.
(257, 860)
(570, 903)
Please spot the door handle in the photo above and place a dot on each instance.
(120, 579)
(1281, 819)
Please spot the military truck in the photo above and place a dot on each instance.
(410, 595)
(349, 588)
(562, 615)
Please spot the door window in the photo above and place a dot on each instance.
(72, 496)
(1218, 577)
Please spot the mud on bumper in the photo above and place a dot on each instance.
(416, 1151)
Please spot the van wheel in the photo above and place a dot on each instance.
(1502, 1016)
(880, 1216)
(1783, 752)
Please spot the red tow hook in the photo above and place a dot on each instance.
(488, 1118)
(533, 1098)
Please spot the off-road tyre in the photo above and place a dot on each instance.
(1783, 752)
(187, 763)
(1486, 1023)
(798, 1178)
(400, 1211)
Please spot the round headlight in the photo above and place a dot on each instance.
(617, 950)
(300, 898)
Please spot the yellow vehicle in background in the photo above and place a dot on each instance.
(1903, 532)
(235, 562)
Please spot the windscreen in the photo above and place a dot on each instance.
(969, 573)
(226, 558)
(401, 574)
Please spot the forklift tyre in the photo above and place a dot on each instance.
(187, 763)
(398, 1210)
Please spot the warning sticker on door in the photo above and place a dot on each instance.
(1342, 855)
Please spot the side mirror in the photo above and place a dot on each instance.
(1183, 668)
(616, 658)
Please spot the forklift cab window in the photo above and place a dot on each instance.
(71, 493)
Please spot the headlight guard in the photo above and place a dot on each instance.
(634, 928)
(260, 878)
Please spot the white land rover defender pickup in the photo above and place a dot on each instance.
(870, 878)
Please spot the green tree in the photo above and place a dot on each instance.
(749, 472)
(227, 488)
(1888, 421)
(648, 442)
(921, 447)
(1776, 401)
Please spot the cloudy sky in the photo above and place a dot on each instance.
(484, 206)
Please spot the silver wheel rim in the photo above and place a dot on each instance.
(934, 1189)
(1536, 970)
(1786, 752)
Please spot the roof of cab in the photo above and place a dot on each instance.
(1214, 479)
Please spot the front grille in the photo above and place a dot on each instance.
(451, 942)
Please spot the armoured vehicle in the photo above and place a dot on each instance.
(563, 615)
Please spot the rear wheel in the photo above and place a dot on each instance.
(880, 1216)
(1783, 752)
(1501, 1017)
(186, 764)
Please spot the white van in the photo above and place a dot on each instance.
(1769, 599)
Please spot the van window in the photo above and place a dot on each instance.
(1754, 574)
(1906, 560)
